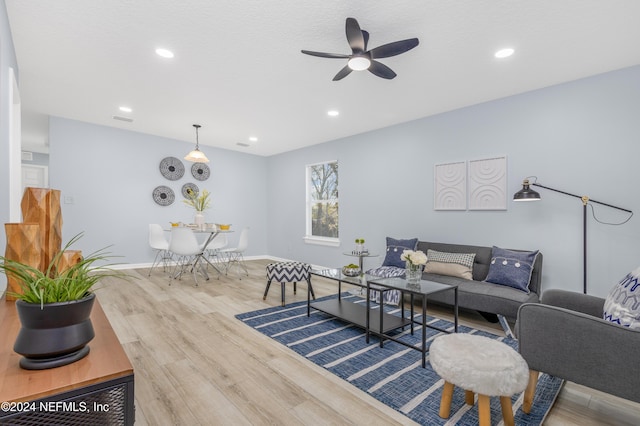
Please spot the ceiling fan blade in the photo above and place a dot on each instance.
(381, 70)
(354, 36)
(393, 49)
(325, 55)
(343, 73)
(365, 35)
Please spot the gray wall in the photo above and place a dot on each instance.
(580, 137)
(7, 61)
(110, 175)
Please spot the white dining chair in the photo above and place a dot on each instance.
(213, 249)
(158, 242)
(234, 255)
(186, 249)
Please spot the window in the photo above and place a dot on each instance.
(322, 203)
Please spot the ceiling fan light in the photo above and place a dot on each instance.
(359, 63)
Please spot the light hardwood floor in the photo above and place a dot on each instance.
(195, 364)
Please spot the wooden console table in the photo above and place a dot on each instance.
(98, 389)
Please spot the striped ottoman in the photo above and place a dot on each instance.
(288, 272)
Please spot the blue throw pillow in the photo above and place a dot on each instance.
(395, 249)
(511, 268)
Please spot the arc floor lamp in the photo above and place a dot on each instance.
(528, 194)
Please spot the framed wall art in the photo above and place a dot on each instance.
(450, 186)
(488, 184)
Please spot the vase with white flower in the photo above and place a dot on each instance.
(200, 202)
(414, 261)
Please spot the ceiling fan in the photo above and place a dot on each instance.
(363, 59)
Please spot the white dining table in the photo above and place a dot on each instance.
(212, 234)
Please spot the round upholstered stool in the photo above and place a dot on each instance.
(288, 272)
(479, 365)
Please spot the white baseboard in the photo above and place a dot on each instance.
(259, 257)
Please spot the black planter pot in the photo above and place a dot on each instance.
(56, 335)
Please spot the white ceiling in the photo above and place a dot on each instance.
(238, 70)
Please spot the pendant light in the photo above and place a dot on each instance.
(196, 155)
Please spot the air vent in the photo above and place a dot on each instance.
(245, 145)
(27, 156)
(118, 117)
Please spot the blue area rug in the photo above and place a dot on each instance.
(392, 374)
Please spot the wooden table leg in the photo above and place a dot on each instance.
(445, 402)
(530, 392)
(507, 410)
(484, 410)
(469, 397)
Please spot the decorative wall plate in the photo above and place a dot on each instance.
(191, 186)
(200, 171)
(163, 195)
(171, 168)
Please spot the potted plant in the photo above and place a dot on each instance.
(199, 202)
(54, 307)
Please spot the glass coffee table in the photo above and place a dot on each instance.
(424, 288)
(360, 314)
(354, 313)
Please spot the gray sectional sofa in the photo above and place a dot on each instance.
(477, 294)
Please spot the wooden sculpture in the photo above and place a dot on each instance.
(42, 205)
(23, 245)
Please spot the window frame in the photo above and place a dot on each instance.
(309, 238)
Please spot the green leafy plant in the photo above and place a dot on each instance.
(359, 240)
(51, 286)
(199, 202)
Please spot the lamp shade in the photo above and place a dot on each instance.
(196, 155)
(526, 193)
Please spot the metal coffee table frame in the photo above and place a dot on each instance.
(359, 315)
(354, 313)
(424, 288)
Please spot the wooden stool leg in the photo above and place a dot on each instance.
(282, 289)
(484, 411)
(507, 410)
(266, 290)
(530, 392)
(295, 284)
(469, 397)
(445, 402)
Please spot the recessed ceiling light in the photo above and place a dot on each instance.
(333, 113)
(504, 53)
(165, 53)
(125, 109)
(253, 139)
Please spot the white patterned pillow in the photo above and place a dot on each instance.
(387, 272)
(452, 264)
(622, 305)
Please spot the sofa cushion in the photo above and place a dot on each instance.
(452, 264)
(395, 249)
(622, 305)
(387, 272)
(511, 268)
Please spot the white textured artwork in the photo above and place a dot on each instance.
(450, 192)
(488, 184)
